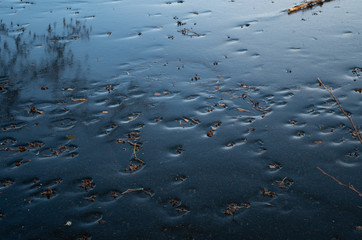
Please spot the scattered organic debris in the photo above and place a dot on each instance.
(109, 88)
(49, 192)
(284, 183)
(35, 110)
(87, 184)
(197, 77)
(357, 71)
(306, 5)
(91, 198)
(6, 182)
(58, 151)
(174, 202)
(188, 121)
(180, 178)
(256, 105)
(340, 183)
(85, 237)
(136, 147)
(180, 149)
(133, 167)
(274, 166)
(356, 133)
(189, 32)
(114, 194)
(245, 25)
(268, 193)
(210, 133)
(233, 207)
(182, 209)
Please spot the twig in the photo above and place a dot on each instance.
(133, 190)
(340, 183)
(356, 131)
(135, 156)
(306, 5)
(257, 107)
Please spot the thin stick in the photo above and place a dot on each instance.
(306, 5)
(356, 131)
(133, 190)
(340, 183)
(135, 156)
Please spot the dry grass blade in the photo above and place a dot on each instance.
(356, 131)
(133, 190)
(340, 183)
(306, 5)
(79, 99)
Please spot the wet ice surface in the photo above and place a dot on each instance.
(208, 112)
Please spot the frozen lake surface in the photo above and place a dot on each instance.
(195, 119)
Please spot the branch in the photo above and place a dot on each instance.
(356, 131)
(340, 183)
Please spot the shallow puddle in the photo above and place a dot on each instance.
(179, 119)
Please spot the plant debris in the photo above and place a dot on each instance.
(233, 207)
(306, 5)
(268, 193)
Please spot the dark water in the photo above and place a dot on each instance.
(208, 111)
